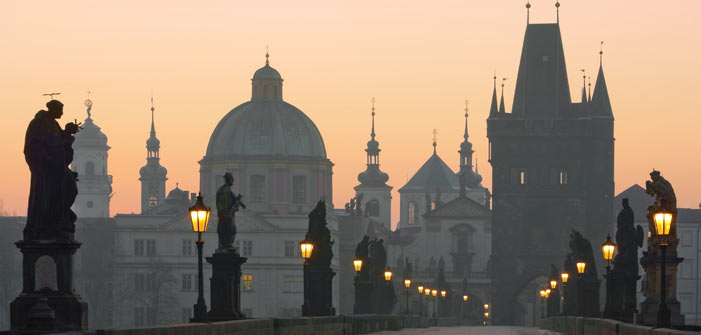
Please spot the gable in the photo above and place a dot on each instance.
(460, 207)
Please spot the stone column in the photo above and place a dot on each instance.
(225, 284)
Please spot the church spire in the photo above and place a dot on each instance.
(372, 132)
(600, 98)
(584, 86)
(373, 149)
(153, 145)
(493, 109)
(467, 108)
(502, 109)
(153, 175)
(373, 176)
(466, 147)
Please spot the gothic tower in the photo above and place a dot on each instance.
(376, 194)
(552, 167)
(153, 175)
(90, 162)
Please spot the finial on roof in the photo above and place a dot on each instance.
(267, 55)
(601, 53)
(584, 85)
(557, 6)
(528, 12)
(435, 132)
(153, 126)
(372, 133)
(88, 104)
(589, 78)
(502, 108)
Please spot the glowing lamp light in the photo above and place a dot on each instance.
(427, 291)
(486, 314)
(388, 274)
(464, 297)
(407, 283)
(542, 293)
(199, 215)
(663, 221)
(565, 276)
(434, 292)
(608, 248)
(581, 266)
(486, 306)
(443, 293)
(421, 289)
(547, 293)
(358, 264)
(306, 247)
(553, 284)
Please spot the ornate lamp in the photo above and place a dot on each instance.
(663, 221)
(486, 314)
(547, 292)
(565, 276)
(443, 293)
(421, 289)
(388, 274)
(306, 247)
(542, 293)
(407, 282)
(663, 217)
(553, 283)
(486, 306)
(434, 292)
(199, 215)
(465, 297)
(608, 248)
(581, 266)
(427, 291)
(358, 265)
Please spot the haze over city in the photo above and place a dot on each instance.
(420, 61)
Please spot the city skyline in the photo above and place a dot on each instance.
(196, 78)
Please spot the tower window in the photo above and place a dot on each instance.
(90, 169)
(518, 176)
(257, 189)
(152, 201)
(563, 177)
(411, 215)
(299, 189)
(522, 176)
(373, 208)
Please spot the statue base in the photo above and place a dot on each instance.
(589, 297)
(318, 292)
(363, 290)
(48, 264)
(648, 308)
(225, 293)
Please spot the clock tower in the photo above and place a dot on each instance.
(153, 175)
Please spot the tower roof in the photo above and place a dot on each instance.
(90, 136)
(600, 99)
(373, 176)
(542, 88)
(433, 174)
(152, 143)
(267, 72)
(493, 108)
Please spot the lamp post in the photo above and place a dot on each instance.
(434, 293)
(608, 248)
(407, 284)
(427, 292)
(306, 247)
(564, 276)
(663, 218)
(465, 297)
(421, 291)
(542, 312)
(199, 215)
(357, 265)
(581, 267)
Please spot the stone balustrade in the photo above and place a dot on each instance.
(572, 325)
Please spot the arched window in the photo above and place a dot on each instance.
(90, 169)
(411, 213)
(257, 189)
(372, 207)
(152, 201)
(299, 189)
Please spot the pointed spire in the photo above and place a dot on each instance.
(153, 127)
(600, 97)
(435, 133)
(601, 54)
(493, 110)
(467, 108)
(528, 12)
(267, 56)
(589, 80)
(502, 109)
(584, 86)
(372, 132)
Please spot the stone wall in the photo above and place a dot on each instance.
(331, 325)
(590, 326)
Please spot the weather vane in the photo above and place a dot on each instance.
(51, 95)
(467, 106)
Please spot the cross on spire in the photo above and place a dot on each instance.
(51, 95)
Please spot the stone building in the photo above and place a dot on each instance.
(552, 167)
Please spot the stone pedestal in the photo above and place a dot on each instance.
(648, 308)
(225, 293)
(588, 297)
(363, 293)
(47, 272)
(318, 292)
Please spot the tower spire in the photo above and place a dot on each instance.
(267, 56)
(493, 109)
(435, 132)
(153, 126)
(372, 132)
(601, 54)
(584, 85)
(589, 79)
(467, 108)
(502, 108)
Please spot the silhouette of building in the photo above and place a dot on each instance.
(153, 175)
(552, 167)
(90, 162)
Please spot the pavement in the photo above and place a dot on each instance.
(470, 330)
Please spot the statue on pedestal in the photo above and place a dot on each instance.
(227, 206)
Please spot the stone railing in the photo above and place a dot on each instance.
(332, 325)
(422, 274)
(572, 325)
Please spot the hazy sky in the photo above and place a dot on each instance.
(419, 59)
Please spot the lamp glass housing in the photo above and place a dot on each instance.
(663, 221)
(427, 291)
(199, 215)
(608, 248)
(565, 276)
(358, 264)
(581, 266)
(443, 293)
(388, 274)
(553, 284)
(421, 289)
(434, 292)
(486, 306)
(486, 314)
(407, 283)
(464, 297)
(306, 247)
(542, 293)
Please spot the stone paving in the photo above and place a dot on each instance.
(474, 330)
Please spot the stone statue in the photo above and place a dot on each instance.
(408, 269)
(663, 191)
(318, 275)
(441, 264)
(358, 203)
(320, 235)
(227, 206)
(361, 250)
(581, 249)
(48, 152)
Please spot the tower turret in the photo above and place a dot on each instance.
(153, 175)
(600, 98)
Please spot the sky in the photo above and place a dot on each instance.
(420, 61)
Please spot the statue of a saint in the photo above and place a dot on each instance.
(227, 206)
(48, 152)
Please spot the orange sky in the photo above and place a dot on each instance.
(420, 60)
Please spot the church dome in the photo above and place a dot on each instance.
(90, 135)
(153, 142)
(266, 125)
(373, 176)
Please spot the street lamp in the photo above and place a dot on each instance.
(608, 248)
(358, 265)
(465, 297)
(443, 294)
(565, 276)
(553, 283)
(581, 266)
(434, 293)
(199, 215)
(486, 306)
(306, 247)
(663, 218)
(407, 284)
(542, 312)
(421, 291)
(388, 274)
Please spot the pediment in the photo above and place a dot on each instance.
(246, 221)
(460, 207)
